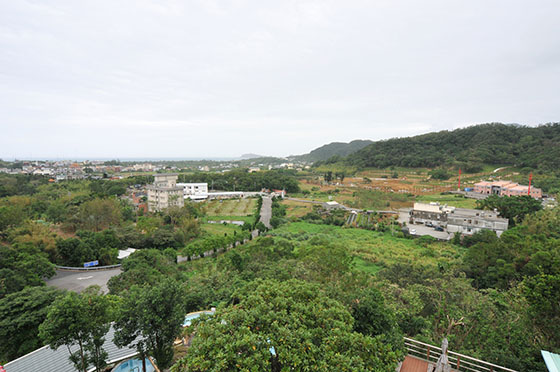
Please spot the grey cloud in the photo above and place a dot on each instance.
(213, 78)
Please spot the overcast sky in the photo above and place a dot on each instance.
(221, 78)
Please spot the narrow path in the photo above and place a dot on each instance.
(305, 201)
(266, 211)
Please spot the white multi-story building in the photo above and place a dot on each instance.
(194, 191)
(164, 192)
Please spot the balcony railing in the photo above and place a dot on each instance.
(458, 362)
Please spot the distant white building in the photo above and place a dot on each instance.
(194, 191)
(164, 192)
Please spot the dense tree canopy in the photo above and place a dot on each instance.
(242, 180)
(21, 266)
(21, 313)
(514, 208)
(280, 326)
(499, 144)
(335, 150)
(526, 250)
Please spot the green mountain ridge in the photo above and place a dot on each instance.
(339, 149)
(494, 143)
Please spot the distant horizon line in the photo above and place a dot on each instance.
(133, 158)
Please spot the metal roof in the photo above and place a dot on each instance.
(552, 361)
(47, 360)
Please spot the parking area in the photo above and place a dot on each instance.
(422, 229)
(77, 281)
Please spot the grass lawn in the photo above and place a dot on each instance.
(367, 266)
(453, 200)
(297, 209)
(374, 250)
(249, 219)
(231, 207)
(219, 229)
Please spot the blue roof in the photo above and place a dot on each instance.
(552, 361)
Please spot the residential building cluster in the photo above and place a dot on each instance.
(56, 170)
(457, 220)
(506, 188)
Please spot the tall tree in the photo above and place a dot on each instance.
(150, 320)
(83, 320)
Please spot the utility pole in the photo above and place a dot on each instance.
(530, 179)
(459, 179)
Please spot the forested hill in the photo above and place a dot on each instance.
(494, 144)
(338, 149)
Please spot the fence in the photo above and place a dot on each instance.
(70, 268)
(458, 362)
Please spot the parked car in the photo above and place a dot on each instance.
(413, 232)
(429, 224)
(438, 228)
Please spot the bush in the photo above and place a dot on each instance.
(439, 174)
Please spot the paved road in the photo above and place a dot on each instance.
(266, 211)
(77, 281)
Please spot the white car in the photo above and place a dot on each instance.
(413, 232)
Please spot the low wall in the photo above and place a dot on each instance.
(70, 268)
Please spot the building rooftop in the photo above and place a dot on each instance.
(488, 215)
(503, 183)
(552, 361)
(47, 360)
(519, 188)
(433, 208)
(155, 187)
(192, 183)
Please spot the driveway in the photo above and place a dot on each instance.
(422, 229)
(77, 281)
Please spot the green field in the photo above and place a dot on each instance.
(219, 228)
(453, 200)
(231, 207)
(248, 219)
(374, 250)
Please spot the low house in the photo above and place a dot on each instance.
(278, 193)
(458, 220)
(470, 221)
(332, 205)
(422, 213)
